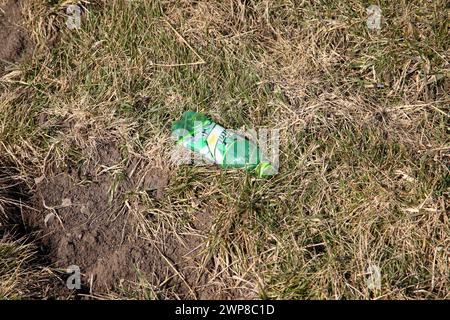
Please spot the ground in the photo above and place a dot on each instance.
(87, 176)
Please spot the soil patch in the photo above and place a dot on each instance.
(15, 43)
(84, 219)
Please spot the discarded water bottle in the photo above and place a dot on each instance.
(198, 133)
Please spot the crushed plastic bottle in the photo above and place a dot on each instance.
(198, 133)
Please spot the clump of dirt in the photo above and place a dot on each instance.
(84, 219)
(15, 43)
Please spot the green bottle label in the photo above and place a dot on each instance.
(217, 144)
(228, 149)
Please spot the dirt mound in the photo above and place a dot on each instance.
(15, 43)
(83, 217)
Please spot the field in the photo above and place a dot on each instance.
(359, 208)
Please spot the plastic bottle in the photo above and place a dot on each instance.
(198, 133)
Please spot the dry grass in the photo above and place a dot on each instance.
(22, 273)
(363, 119)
